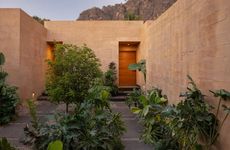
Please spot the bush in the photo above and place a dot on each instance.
(5, 145)
(71, 74)
(8, 96)
(188, 125)
(110, 78)
(91, 126)
(133, 97)
(149, 109)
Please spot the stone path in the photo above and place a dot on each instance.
(14, 131)
(131, 137)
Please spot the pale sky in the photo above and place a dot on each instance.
(56, 9)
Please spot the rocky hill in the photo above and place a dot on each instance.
(131, 10)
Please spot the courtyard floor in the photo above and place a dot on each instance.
(14, 131)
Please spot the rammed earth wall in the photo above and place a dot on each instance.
(192, 37)
(23, 42)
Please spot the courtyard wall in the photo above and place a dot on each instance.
(23, 42)
(102, 37)
(191, 38)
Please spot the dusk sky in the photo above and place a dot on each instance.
(56, 9)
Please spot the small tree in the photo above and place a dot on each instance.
(71, 73)
(8, 96)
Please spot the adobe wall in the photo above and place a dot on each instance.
(32, 56)
(10, 43)
(23, 42)
(192, 37)
(102, 37)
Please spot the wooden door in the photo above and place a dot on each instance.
(126, 76)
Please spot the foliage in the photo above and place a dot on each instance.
(5, 145)
(131, 16)
(110, 78)
(71, 74)
(149, 111)
(222, 94)
(8, 96)
(188, 125)
(133, 97)
(40, 20)
(91, 126)
(33, 113)
(192, 118)
(140, 66)
(99, 96)
(56, 145)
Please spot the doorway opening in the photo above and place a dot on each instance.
(50, 50)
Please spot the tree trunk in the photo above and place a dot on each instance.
(67, 108)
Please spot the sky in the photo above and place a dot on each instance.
(56, 9)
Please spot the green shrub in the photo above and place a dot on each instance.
(149, 110)
(91, 126)
(8, 96)
(110, 78)
(5, 145)
(188, 125)
(71, 73)
(132, 98)
(99, 95)
(192, 118)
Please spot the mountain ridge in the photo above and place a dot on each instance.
(130, 10)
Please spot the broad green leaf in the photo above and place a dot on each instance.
(146, 110)
(133, 67)
(56, 145)
(104, 95)
(135, 110)
(143, 100)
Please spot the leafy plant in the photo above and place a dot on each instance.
(223, 95)
(91, 126)
(149, 110)
(133, 97)
(71, 73)
(110, 78)
(140, 66)
(8, 96)
(33, 113)
(5, 145)
(188, 125)
(99, 96)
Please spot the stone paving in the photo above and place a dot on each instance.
(131, 137)
(14, 131)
